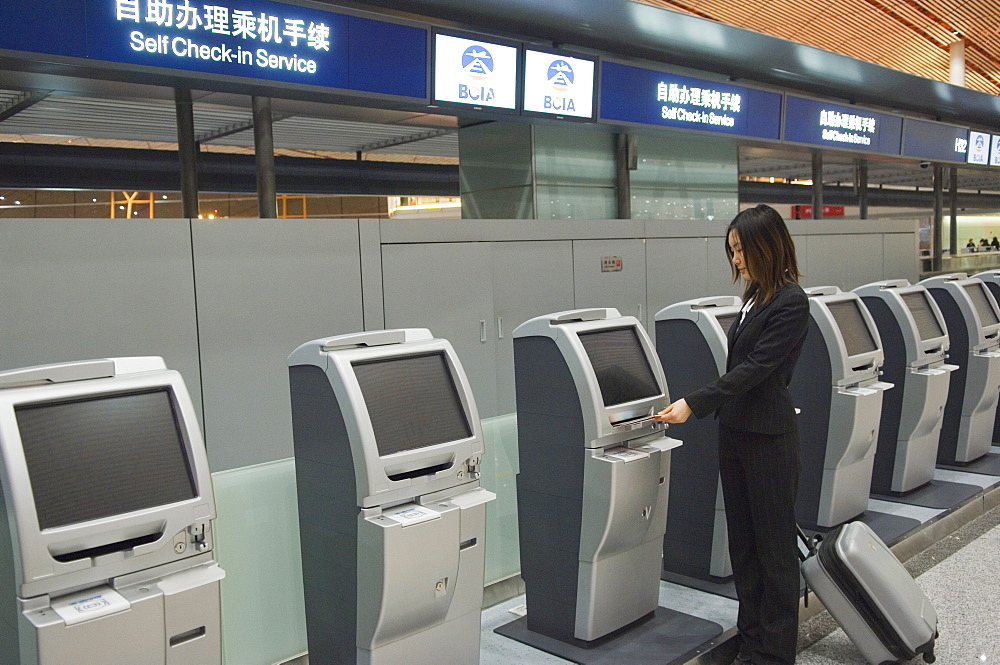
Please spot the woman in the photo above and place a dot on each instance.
(758, 435)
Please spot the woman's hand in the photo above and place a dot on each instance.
(677, 412)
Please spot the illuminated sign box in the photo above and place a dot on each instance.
(979, 148)
(844, 127)
(256, 39)
(475, 72)
(650, 97)
(995, 150)
(558, 85)
(934, 140)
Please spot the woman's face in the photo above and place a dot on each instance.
(736, 247)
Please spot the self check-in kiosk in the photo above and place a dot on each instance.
(692, 346)
(991, 278)
(594, 470)
(973, 322)
(915, 341)
(392, 519)
(837, 388)
(106, 551)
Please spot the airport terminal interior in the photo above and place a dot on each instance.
(334, 329)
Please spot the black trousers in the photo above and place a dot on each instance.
(760, 475)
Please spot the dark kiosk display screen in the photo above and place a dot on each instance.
(727, 321)
(101, 456)
(927, 324)
(412, 402)
(622, 370)
(987, 316)
(857, 337)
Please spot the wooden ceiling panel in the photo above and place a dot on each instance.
(908, 35)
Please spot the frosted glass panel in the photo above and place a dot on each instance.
(681, 162)
(499, 469)
(257, 544)
(494, 155)
(574, 155)
(513, 203)
(567, 202)
(684, 204)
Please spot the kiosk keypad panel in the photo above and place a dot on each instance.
(620, 364)
(103, 456)
(987, 315)
(857, 337)
(412, 402)
(927, 324)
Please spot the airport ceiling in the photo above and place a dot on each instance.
(909, 35)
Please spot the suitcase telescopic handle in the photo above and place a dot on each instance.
(812, 544)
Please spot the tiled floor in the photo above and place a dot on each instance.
(963, 588)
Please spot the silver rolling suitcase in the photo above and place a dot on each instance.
(871, 595)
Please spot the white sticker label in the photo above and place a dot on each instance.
(90, 604)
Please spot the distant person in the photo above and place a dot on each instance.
(758, 434)
(970, 244)
(983, 245)
(995, 244)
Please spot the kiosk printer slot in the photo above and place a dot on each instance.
(973, 324)
(692, 344)
(836, 385)
(592, 488)
(991, 278)
(915, 340)
(388, 444)
(105, 518)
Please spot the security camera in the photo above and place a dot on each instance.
(924, 165)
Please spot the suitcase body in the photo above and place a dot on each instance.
(872, 596)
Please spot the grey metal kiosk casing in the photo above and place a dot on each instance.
(991, 278)
(105, 518)
(592, 489)
(836, 385)
(692, 345)
(388, 444)
(973, 324)
(915, 340)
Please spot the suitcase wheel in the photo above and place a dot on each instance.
(929, 658)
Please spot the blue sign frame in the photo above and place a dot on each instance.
(248, 39)
(936, 141)
(652, 97)
(821, 123)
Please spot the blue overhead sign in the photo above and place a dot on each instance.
(933, 140)
(255, 39)
(841, 127)
(650, 97)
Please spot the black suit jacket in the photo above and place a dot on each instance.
(753, 393)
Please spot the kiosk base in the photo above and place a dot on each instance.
(890, 528)
(988, 464)
(940, 494)
(723, 587)
(665, 638)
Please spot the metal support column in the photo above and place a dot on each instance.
(936, 223)
(817, 178)
(863, 188)
(953, 196)
(263, 140)
(625, 160)
(187, 149)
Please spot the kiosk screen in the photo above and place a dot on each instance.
(853, 328)
(987, 315)
(727, 321)
(620, 364)
(96, 457)
(927, 324)
(412, 402)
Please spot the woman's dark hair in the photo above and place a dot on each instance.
(768, 252)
